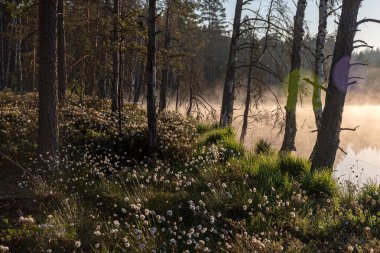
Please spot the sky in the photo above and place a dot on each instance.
(370, 32)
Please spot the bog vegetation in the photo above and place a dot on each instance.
(201, 191)
(84, 167)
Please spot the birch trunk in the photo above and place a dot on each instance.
(319, 59)
(288, 143)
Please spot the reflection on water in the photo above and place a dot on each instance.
(359, 167)
(362, 146)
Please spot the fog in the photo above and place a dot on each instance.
(360, 159)
(362, 146)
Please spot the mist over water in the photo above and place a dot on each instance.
(362, 161)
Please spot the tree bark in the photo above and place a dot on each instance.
(61, 48)
(319, 59)
(20, 50)
(294, 76)
(115, 59)
(177, 92)
(138, 82)
(249, 92)
(47, 79)
(188, 113)
(2, 55)
(227, 110)
(151, 77)
(165, 70)
(327, 143)
(34, 75)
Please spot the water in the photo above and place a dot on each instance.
(362, 161)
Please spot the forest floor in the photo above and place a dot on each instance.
(201, 191)
(14, 201)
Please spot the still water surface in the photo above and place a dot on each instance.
(362, 161)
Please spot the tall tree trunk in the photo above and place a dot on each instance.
(291, 105)
(227, 110)
(120, 91)
(20, 50)
(34, 75)
(19, 64)
(61, 47)
(115, 59)
(165, 70)
(188, 113)
(151, 77)
(2, 55)
(12, 55)
(5, 46)
(319, 59)
(248, 94)
(47, 79)
(138, 82)
(177, 92)
(328, 140)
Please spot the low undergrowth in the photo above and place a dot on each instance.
(201, 191)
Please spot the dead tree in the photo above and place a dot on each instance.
(249, 92)
(251, 66)
(327, 143)
(47, 78)
(288, 143)
(151, 76)
(227, 109)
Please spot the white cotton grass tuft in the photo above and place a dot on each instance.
(4, 249)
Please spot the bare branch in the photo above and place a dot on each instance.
(334, 10)
(366, 20)
(349, 129)
(357, 77)
(342, 129)
(358, 64)
(341, 149)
